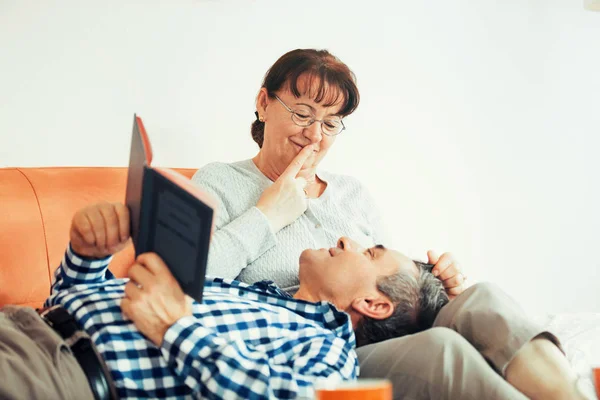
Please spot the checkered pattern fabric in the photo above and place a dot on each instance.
(243, 341)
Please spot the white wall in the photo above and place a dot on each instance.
(478, 129)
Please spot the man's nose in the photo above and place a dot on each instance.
(347, 244)
(313, 132)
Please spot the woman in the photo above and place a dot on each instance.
(272, 209)
(277, 204)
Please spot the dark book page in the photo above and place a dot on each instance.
(177, 226)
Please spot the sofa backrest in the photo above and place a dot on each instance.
(36, 207)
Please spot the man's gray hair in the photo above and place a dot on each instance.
(417, 301)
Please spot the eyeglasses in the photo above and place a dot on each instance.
(304, 117)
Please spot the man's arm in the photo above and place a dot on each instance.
(217, 368)
(97, 232)
(77, 270)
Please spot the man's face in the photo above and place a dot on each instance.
(346, 272)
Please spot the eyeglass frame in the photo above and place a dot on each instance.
(313, 120)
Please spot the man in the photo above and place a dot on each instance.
(242, 341)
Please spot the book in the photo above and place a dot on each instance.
(169, 215)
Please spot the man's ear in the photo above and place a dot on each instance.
(379, 307)
(262, 101)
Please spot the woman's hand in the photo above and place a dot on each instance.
(447, 269)
(285, 200)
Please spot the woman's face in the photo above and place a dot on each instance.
(283, 139)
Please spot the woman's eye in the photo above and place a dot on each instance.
(303, 116)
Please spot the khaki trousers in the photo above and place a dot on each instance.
(463, 356)
(35, 362)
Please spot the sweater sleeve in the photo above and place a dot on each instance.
(237, 241)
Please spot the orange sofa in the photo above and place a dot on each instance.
(36, 206)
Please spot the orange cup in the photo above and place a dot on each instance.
(361, 389)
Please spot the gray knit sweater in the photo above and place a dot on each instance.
(243, 245)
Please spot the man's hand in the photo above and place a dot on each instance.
(448, 271)
(153, 299)
(285, 200)
(100, 230)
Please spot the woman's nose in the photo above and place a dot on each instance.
(313, 132)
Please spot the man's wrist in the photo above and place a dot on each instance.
(158, 338)
(172, 332)
(80, 254)
(85, 257)
(77, 268)
(162, 330)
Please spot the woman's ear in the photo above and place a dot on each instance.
(262, 101)
(379, 307)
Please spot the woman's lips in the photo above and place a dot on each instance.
(300, 147)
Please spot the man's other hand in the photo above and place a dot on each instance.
(100, 230)
(153, 299)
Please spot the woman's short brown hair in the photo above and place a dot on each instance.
(334, 78)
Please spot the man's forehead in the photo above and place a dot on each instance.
(400, 261)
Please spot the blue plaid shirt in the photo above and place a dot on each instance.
(243, 341)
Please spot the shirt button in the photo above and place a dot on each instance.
(317, 226)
